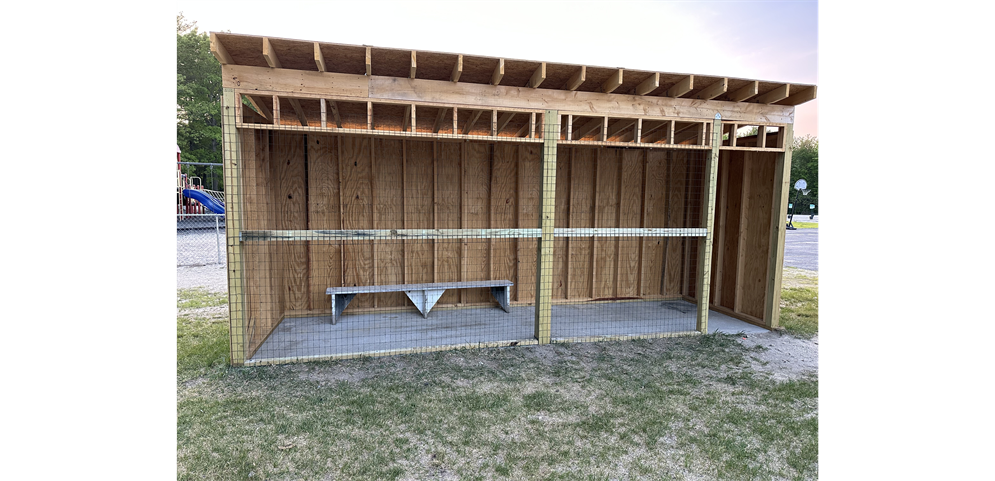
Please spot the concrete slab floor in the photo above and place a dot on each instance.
(407, 329)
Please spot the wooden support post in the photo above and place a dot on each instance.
(570, 125)
(544, 261)
(369, 115)
(494, 127)
(779, 212)
(637, 138)
(232, 146)
(276, 110)
(762, 136)
(708, 221)
(324, 111)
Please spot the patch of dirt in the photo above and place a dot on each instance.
(794, 277)
(785, 357)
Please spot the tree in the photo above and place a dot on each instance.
(805, 165)
(198, 101)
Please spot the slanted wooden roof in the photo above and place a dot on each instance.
(251, 50)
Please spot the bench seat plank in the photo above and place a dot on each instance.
(416, 287)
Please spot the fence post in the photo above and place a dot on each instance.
(547, 201)
(217, 235)
(708, 221)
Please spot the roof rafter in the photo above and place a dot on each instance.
(538, 76)
(650, 84)
(619, 126)
(219, 50)
(503, 121)
(319, 59)
(576, 79)
(369, 61)
(259, 107)
(438, 120)
(414, 64)
(680, 88)
(612, 83)
(588, 128)
(299, 111)
(712, 91)
(269, 54)
(775, 95)
(747, 91)
(473, 120)
(799, 97)
(457, 69)
(498, 73)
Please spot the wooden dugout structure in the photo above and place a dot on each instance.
(351, 165)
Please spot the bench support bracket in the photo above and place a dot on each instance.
(425, 300)
(339, 303)
(502, 294)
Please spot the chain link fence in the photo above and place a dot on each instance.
(200, 240)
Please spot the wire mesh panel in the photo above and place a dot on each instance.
(629, 228)
(362, 244)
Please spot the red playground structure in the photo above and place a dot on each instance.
(190, 189)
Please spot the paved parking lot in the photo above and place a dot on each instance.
(801, 246)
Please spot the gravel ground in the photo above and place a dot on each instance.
(786, 357)
(211, 277)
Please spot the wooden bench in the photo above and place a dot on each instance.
(423, 296)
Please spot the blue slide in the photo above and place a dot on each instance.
(210, 202)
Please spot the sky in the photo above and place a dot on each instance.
(769, 40)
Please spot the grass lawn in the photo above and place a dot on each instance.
(685, 408)
(800, 302)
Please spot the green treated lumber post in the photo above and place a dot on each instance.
(778, 219)
(232, 147)
(708, 221)
(547, 201)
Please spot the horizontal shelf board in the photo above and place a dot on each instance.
(400, 234)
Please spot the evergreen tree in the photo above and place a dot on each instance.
(198, 102)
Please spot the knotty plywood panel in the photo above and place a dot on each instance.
(677, 175)
(357, 213)
(448, 165)
(504, 212)
(562, 219)
(263, 311)
(695, 201)
(419, 210)
(288, 158)
(388, 214)
(630, 214)
(758, 234)
(656, 216)
(476, 208)
(324, 212)
(582, 165)
(529, 190)
(606, 215)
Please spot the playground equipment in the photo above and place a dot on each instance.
(191, 196)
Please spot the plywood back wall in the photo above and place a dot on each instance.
(325, 181)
